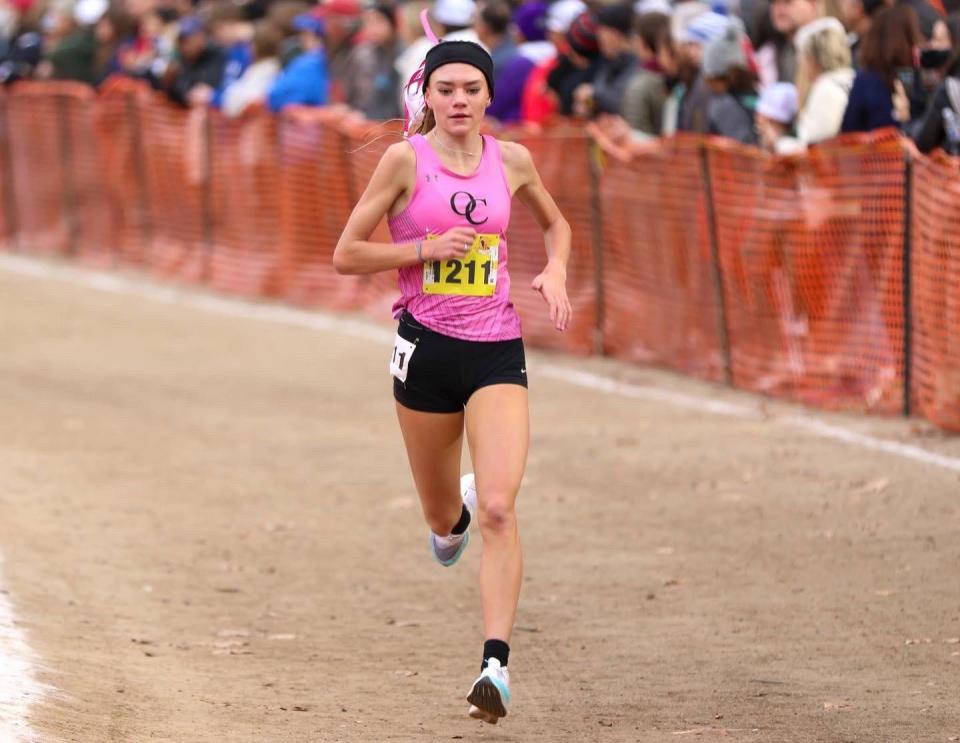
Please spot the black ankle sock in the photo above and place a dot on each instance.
(464, 523)
(495, 649)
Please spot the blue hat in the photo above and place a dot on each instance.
(190, 25)
(705, 28)
(308, 22)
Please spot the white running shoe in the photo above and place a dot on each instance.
(447, 550)
(490, 695)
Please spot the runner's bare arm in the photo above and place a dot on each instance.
(393, 177)
(355, 254)
(524, 181)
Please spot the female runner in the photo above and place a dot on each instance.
(458, 358)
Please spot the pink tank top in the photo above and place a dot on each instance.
(442, 200)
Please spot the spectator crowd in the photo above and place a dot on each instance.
(779, 74)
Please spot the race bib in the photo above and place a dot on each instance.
(400, 361)
(474, 275)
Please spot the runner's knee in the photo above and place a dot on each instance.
(442, 518)
(497, 514)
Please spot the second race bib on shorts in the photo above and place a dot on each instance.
(400, 361)
(475, 275)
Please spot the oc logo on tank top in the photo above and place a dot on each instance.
(465, 204)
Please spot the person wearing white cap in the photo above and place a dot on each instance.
(560, 16)
(686, 108)
(75, 56)
(540, 103)
(455, 19)
(683, 15)
(776, 111)
(451, 20)
(88, 12)
(824, 79)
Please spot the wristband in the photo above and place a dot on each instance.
(419, 247)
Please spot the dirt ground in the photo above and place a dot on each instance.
(210, 534)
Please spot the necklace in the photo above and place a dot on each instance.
(436, 139)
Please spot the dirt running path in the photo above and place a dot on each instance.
(210, 534)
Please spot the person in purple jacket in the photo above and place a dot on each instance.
(533, 49)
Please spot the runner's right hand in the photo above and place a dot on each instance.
(451, 245)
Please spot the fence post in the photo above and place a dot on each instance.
(9, 189)
(206, 199)
(140, 173)
(716, 270)
(907, 284)
(70, 216)
(596, 235)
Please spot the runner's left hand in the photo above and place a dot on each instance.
(552, 286)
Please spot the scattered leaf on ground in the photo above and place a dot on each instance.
(836, 705)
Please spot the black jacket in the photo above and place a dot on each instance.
(207, 68)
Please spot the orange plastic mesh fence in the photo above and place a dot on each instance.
(811, 255)
(316, 196)
(114, 176)
(806, 253)
(660, 298)
(9, 229)
(936, 290)
(364, 145)
(102, 177)
(245, 204)
(37, 152)
(176, 161)
(563, 161)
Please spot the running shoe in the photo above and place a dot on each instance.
(490, 695)
(447, 550)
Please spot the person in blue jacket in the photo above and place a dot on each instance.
(882, 90)
(305, 80)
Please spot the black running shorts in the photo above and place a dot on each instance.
(443, 372)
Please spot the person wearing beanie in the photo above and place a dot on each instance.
(733, 86)
(605, 94)
(530, 28)
(686, 108)
(577, 63)
(458, 363)
(774, 117)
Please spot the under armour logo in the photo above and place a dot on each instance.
(469, 202)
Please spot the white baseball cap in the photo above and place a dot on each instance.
(454, 12)
(683, 15)
(88, 12)
(563, 13)
(643, 7)
(778, 102)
